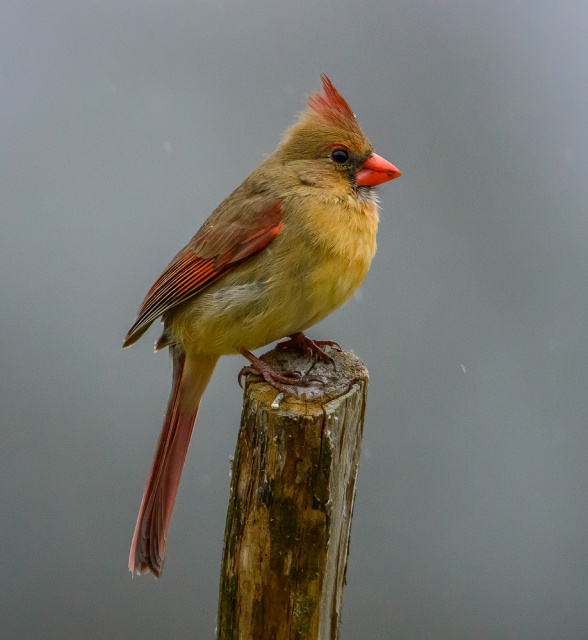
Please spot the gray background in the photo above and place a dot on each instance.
(123, 124)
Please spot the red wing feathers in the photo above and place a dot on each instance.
(212, 252)
(241, 250)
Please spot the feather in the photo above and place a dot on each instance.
(213, 251)
(330, 106)
(190, 378)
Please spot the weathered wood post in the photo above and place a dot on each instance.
(292, 492)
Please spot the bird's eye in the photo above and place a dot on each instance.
(339, 156)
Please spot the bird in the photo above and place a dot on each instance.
(291, 244)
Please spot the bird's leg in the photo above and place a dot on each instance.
(282, 381)
(310, 347)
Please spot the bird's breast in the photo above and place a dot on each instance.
(295, 282)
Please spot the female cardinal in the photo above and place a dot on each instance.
(286, 248)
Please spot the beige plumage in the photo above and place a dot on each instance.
(284, 250)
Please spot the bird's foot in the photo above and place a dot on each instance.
(310, 347)
(285, 381)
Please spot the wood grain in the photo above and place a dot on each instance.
(292, 493)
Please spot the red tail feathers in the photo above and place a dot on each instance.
(191, 375)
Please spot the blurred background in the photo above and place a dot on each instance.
(123, 126)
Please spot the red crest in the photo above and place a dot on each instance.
(329, 105)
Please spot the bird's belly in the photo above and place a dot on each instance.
(235, 313)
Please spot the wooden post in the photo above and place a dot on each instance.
(292, 492)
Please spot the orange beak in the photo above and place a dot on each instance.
(376, 170)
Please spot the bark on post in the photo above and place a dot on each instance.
(292, 492)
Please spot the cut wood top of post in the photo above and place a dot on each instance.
(332, 382)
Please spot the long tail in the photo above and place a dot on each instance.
(191, 375)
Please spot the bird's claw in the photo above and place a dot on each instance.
(285, 381)
(310, 347)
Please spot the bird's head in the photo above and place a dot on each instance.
(326, 147)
